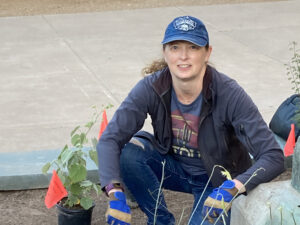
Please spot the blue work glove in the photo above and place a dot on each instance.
(214, 201)
(118, 212)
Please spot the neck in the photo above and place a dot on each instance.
(187, 92)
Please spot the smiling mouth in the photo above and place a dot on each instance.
(184, 66)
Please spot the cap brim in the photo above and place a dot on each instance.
(199, 42)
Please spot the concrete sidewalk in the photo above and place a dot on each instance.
(53, 68)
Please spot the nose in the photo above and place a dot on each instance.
(184, 53)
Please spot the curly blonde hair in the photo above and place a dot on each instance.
(155, 66)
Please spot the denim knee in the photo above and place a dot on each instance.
(131, 156)
(129, 153)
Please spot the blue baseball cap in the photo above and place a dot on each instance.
(186, 28)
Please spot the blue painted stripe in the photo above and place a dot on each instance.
(26, 163)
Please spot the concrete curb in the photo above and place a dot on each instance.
(22, 171)
(278, 197)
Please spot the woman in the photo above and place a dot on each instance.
(201, 118)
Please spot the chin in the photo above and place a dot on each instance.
(186, 78)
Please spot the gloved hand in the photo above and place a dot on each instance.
(118, 212)
(214, 201)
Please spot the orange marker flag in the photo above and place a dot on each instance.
(56, 191)
(104, 123)
(290, 143)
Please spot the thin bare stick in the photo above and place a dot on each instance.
(159, 190)
(203, 192)
(181, 216)
(270, 209)
(293, 218)
(203, 220)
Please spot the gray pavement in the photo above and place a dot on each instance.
(53, 68)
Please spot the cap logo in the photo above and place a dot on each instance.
(184, 24)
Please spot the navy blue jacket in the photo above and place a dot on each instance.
(230, 128)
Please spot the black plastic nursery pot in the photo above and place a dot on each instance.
(74, 216)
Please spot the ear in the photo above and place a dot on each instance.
(209, 50)
(164, 55)
(165, 59)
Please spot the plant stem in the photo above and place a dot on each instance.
(211, 207)
(94, 121)
(293, 218)
(223, 220)
(203, 193)
(270, 209)
(293, 68)
(280, 209)
(159, 190)
(181, 216)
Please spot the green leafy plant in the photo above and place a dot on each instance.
(293, 73)
(71, 165)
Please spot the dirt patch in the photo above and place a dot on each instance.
(27, 207)
(40, 7)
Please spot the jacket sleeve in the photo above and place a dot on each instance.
(127, 120)
(254, 133)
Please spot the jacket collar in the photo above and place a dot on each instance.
(164, 83)
(207, 84)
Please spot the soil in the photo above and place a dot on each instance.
(27, 207)
(38, 7)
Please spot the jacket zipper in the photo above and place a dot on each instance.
(167, 115)
(200, 123)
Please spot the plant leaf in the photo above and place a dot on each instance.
(62, 175)
(226, 174)
(75, 129)
(89, 124)
(93, 155)
(77, 158)
(86, 202)
(77, 172)
(97, 188)
(94, 143)
(72, 200)
(75, 140)
(76, 189)
(109, 106)
(86, 183)
(59, 164)
(66, 155)
(83, 138)
(62, 151)
(46, 167)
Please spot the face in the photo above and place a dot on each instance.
(186, 60)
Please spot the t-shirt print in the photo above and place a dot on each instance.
(185, 133)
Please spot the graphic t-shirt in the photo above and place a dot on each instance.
(185, 122)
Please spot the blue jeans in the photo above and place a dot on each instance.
(141, 169)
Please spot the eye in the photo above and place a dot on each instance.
(174, 47)
(194, 47)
